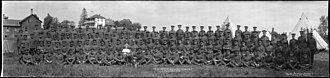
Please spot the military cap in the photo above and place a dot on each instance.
(187, 27)
(264, 31)
(210, 27)
(302, 31)
(179, 25)
(164, 27)
(246, 26)
(153, 26)
(238, 26)
(172, 26)
(218, 26)
(201, 27)
(293, 34)
(254, 27)
(145, 27)
(193, 26)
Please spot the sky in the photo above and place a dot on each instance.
(282, 15)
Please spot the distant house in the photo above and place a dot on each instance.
(10, 28)
(94, 21)
(109, 23)
(30, 23)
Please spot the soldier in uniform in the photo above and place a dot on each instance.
(238, 34)
(311, 44)
(264, 38)
(259, 55)
(228, 33)
(255, 36)
(246, 35)
(293, 59)
(202, 35)
(269, 58)
(70, 57)
(304, 53)
(37, 57)
(227, 55)
(236, 54)
(180, 33)
(246, 57)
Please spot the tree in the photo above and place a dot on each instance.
(124, 23)
(134, 26)
(83, 16)
(323, 27)
(47, 21)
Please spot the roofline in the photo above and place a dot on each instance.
(29, 17)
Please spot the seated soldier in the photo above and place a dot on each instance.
(227, 53)
(259, 55)
(269, 58)
(59, 58)
(236, 55)
(91, 57)
(70, 58)
(37, 57)
(246, 55)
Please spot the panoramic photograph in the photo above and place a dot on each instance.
(165, 39)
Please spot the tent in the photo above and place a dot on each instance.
(304, 24)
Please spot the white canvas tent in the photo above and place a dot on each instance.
(305, 24)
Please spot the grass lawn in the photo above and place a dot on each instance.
(12, 68)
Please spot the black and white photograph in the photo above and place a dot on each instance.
(165, 39)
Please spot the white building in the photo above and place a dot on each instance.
(95, 21)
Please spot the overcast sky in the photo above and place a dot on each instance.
(282, 15)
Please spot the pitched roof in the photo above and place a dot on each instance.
(11, 22)
(96, 16)
(34, 15)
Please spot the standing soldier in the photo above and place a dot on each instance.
(228, 33)
(255, 36)
(246, 35)
(238, 32)
(264, 38)
(187, 33)
(180, 33)
(311, 45)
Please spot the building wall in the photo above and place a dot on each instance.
(99, 21)
(31, 24)
(10, 32)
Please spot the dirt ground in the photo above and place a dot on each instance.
(11, 68)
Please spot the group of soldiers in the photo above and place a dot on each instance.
(66, 46)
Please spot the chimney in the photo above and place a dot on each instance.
(31, 11)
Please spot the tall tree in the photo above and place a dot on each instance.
(83, 16)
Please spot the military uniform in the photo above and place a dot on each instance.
(293, 59)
